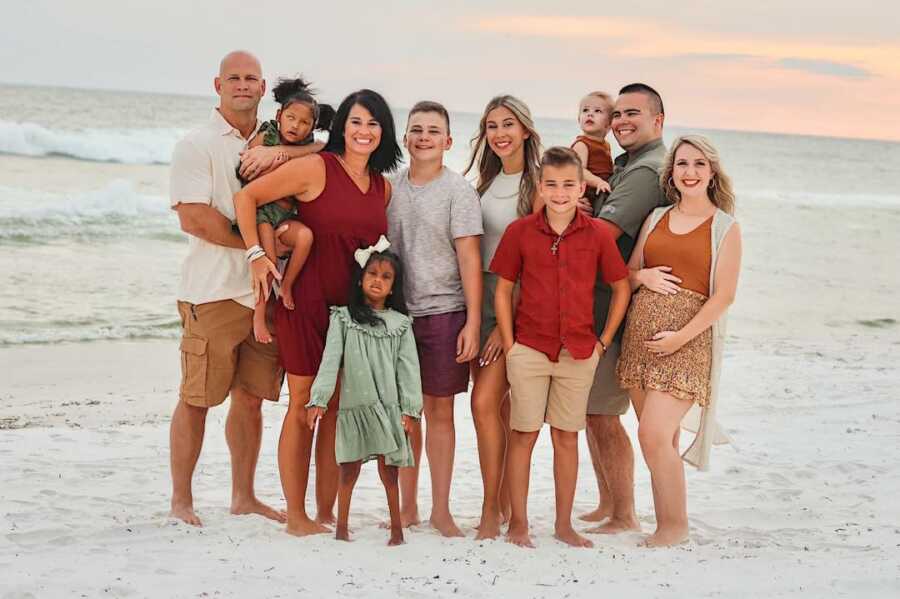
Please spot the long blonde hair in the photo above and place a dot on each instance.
(720, 190)
(489, 165)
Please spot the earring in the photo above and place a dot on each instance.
(712, 183)
(671, 182)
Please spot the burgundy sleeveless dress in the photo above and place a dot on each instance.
(342, 220)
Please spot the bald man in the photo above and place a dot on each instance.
(219, 355)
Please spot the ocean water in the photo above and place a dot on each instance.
(89, 248)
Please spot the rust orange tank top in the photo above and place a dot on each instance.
(599, 157)
(689, 255)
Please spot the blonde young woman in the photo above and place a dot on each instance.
(506, 152)
(685, 270)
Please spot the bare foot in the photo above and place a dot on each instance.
(341, 533)
(287, 296)
(255, 506)
(615, 526)
(489, 527)
(407, 519)
(396, 537)
(598, 515)
(261, 330)
(446, 526)
(303, 526)
(505, 513)
(519, 536)
(326, 519)
(666, 537)
(185, 513)
(570, 537)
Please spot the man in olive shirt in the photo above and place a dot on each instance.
(637, 123)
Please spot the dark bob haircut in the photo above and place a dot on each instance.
(387, 155)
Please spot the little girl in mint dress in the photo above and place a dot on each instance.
(370, 343)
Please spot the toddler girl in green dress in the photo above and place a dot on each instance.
(299, 115)
(370, 343)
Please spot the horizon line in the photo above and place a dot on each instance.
(466, 112)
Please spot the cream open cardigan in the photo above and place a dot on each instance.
(702, 421)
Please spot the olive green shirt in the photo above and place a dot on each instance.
(635, 194)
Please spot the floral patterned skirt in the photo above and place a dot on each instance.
(684, 374)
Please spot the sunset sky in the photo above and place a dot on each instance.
(822, 68)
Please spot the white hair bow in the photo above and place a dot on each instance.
(362, 255)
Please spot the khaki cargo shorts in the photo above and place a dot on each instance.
(219, 353)
(544, 391)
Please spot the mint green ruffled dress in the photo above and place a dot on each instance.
(379, 382)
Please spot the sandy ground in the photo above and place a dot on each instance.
(803, 505)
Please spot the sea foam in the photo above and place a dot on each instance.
(129, 146)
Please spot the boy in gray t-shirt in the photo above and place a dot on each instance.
(434, 224)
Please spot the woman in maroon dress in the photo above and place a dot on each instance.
(342, 197)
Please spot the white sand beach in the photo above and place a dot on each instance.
(804, 505)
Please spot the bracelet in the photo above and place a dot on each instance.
(254, 253)
(251, 250)
(603, 345)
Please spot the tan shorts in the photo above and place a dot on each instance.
(607, 398)
(219, 353)
(544, 391)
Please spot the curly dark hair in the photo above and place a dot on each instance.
(362, 312)
(290, 91)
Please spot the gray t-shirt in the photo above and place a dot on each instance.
(423, 222)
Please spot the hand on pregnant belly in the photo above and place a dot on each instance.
(659, 279)
(665, 343)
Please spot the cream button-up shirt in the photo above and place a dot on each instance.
(203, 172)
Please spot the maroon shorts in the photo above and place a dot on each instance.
(436, 343)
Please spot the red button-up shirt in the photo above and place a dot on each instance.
(557, 274)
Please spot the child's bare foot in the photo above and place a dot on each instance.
(598, 515)
(302, 526)
(518, 535)
(489, 527)
(568, 536)
(185, 513)
(666, 537)
(407, 519)
(445, 525)
(396, 537)
(325, 519)
(260, 328)
(287, 296)
(615, 526)
(255, 506)
(341, 533)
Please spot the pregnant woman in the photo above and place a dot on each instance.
(685, 269)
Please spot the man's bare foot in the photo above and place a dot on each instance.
(489, 527)
(446, 526)
(185, 513)
(261, 330)
(570, 537)
(518, 535)
(396, 537)
(598, 515)
(666, 537)
(302, 526)
(341, 533)
(287, 296)
(615, 526)
(255, 506)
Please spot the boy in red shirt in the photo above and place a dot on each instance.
(556, 256)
